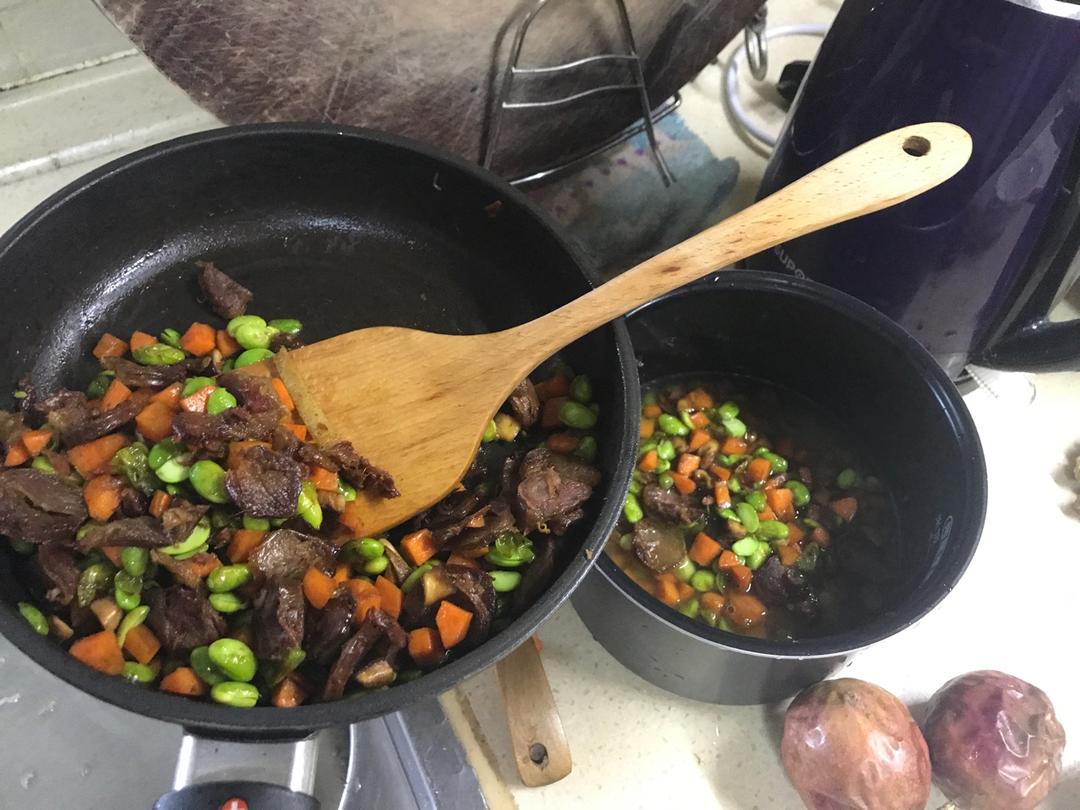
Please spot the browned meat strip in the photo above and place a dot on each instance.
(182, 619)
(278, 621)
(552, 490)
(189, 572)
(330, 627)
(286, 554)
(36, 507)
(178, 521)
(265, 483)
(228, 298)
(59, 570)
(145, 532)
(670, 505)
(525, 403)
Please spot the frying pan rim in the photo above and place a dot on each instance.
(266, 723)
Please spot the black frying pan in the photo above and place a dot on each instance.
(340, 228)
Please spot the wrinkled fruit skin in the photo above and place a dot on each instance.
(850, 745)
(994, 741)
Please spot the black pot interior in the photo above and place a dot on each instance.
(341, 230)
(869, 376)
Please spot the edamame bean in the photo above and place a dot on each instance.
(234, 658)
(734, 427)
(35, 618)
(773, 530)
(228, 578)
(662, 466)
(415, 576)
(370, 548)
(170, 337)
(729, 514)
(158, 354)
(649, 398)
(747, 516)
(244, 320)
(685, 570)
(100, 384)
(665, 480)
(757, 500)
(575, 415)
(690, 609)
(208, 478)
(173, 472)
(847, 479)
(125, 600)
(646, 446)
(665, 450)
(43, 465)
(671, 425)
(634, 489)
(490, 432)
(198, 537)
(226, 602)
(253, 336)
(684, 417)
(137, 673)
(758, 557)
(347, 490)
(626, 541)
(193, 384)
(733, 485)
(204, 667)
(134, 560)
(581, 389)
(729, 410)
(632, 509)
(252, 356)
(586, 449)
(703, 581)
(255, 524)
(133, 619)
(220, 400)
(288, 326)
(127, 582)
(307, 505)
(163, 451)
(95, 577)
(232, 693)
(376, 566)
(504, 581)
(801, 495)
(779, 463)
(745, 547)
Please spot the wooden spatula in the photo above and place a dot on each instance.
(417, 403)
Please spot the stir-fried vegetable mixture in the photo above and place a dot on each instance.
(763, 528)
(178, 529)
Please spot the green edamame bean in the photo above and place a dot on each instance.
(745, 546)
(671, 425)
(650, 398)
(376, 566)
(575, 415)
(173, 472)
(757, 500)
(232, 693)
(255, 524)
(734, 427)
(198, 537)
(773, 530)
(504, 581)
(633, 489)
(415, 575)
(662, 466)
(288, 326)
(95, 578)
(137, 673)
(307, 505)
(490, 432)
(626, 541)
(632, 509)
(208, 478)
(193, 384)
(586, 449)
(347, 490)
(581, 389)
(729, 514)
(665, 480)
(253, 336)
(125, 600)
(134, 560)
(226, 602)
(646, 446)
(133, 619)
(163, 451)
(228, 578)
(733, 485)
(729, 410)
(747, 516)
(685, 570)
(158, 354)
(779, 463)
(690, 609)
(684, 417)
(234, 658)
(204, 667)
(847, 479)
(799, 491)
(43, 465)
(35, 618)
(170, 337)
(758, 557)
(220, 400)
(100, 384)
(703, 581)
(252, 356)
(126, 582)
(370, 548)
(244, 320)
(665, 450)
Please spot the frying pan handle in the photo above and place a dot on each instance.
(216, 774)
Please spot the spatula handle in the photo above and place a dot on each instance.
(877, 174)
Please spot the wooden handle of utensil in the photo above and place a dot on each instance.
(541, 752)
(877, 174)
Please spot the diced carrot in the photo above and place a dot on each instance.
(684, 590)
(170, 396)
(766, 514)
(113, 554)
(733, 446)
(460, 559)
(299, 431)
(237, 449)
(727, 560)
(775, 481)
(244, 541)
(744, 610)
(722, 496)
(723, 473)
(453, 623)
(341, 573)
(289, 693)
(419, 547)
(550, 416)
(226, 343)
(283, 394)
(324, 479)
(183, 681)
(682, 483)
(367, 603)
(782, 502)
(102, 496)
(845, 508)
(700, 399)
(666, 591)
(555, 386)
(93, 457)
(36, 440)
(759, 469)
(820, 535)
(141, 339)
(425, 647)
(202, 564)
(687, 464)
(110, 346)
(742, 576)
(353, 517)
(391, 595)
(699, 438)
(116, 393)
(652, 411)
(361, 589)
(795, 533)
(17, 454)
(142, 644)
(712, 602)
(99, 651)
(318, 587)
(699, 420)
(562, 443)
(788, 554)
(647, 429)
(196, 402)
(159, 502)
(199, 339)
(155, 421)
(649, 461)
(704, 549)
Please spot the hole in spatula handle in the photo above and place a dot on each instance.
(916, 145)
